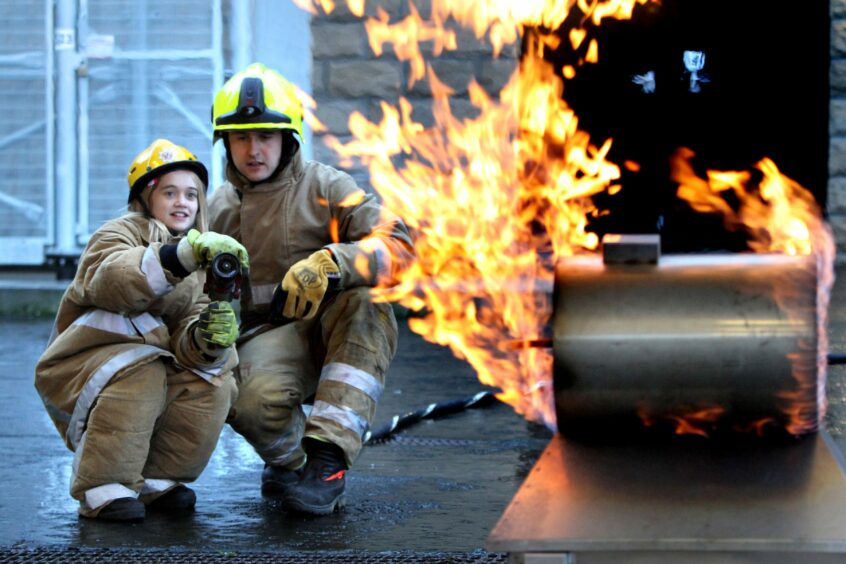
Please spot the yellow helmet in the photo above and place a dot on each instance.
(160, 157)
(257, 98)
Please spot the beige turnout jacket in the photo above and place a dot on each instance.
(123, 309)
(308, 206)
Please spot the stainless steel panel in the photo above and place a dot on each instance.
(692, 497)
(731, 339)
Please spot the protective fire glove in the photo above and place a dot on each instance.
(198, 249)
(306, 284)
(217, 327)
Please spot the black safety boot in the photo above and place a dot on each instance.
(178, 501)
(126, 509)
(320, 489)
(276, 480)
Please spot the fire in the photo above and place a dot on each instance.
(406, 37)
(492, 201)
(502, 22)
(780, 216)
(694, 421)
(495, 200)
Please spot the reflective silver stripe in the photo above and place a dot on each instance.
(207, 373)
(98, 381)
(107, 321)
(288, 444)
(77, 456)
(283, 459)
(343, 416)
(120, 324)
(152, 268)
(101, 495)
(353, 377)
(156, 486)
(263, 293)
(147, 322)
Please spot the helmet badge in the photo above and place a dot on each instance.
(167, 155)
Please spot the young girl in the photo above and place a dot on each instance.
(137, 376)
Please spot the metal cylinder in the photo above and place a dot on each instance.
(695, 343)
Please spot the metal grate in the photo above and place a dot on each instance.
(131, 556)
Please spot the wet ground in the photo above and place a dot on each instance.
(432, 494)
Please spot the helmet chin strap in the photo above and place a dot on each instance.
(289, 149)
(139, 197)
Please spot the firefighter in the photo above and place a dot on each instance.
(304, 223)
(137, 376)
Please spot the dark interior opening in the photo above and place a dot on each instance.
(763, 91)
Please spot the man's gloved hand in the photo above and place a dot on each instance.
(198, 249)
(306, 283)
(217, 327)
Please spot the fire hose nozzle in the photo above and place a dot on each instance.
(223, 278)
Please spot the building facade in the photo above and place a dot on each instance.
(86, 84)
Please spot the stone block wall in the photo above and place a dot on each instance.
(837, 127)
(347, 76)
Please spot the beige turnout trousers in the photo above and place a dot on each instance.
(152, 426)
(341, 356)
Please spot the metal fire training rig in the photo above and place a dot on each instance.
(688, 395)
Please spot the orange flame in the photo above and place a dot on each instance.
(780, 216)
(495, 200)
(406, 37)
(501, 21)
(492, 202)
(309, 106)
(333, 231)
(692, 422)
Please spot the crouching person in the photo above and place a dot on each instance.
(138, 377)
(304, 223)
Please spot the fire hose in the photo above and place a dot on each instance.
(226, 271)
(398, 422)
(836, 358)
(482, 399)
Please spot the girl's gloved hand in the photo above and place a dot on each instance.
(198, 249)
(217, 327)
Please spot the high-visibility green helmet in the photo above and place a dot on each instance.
(257, 98)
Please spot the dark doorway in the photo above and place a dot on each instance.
(762, 92)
